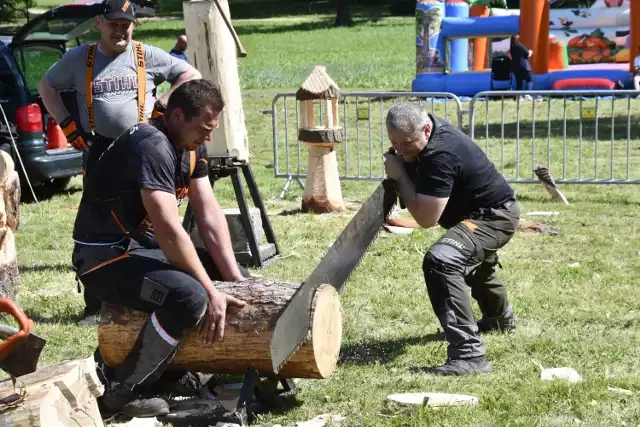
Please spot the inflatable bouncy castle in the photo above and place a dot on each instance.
(591, 48)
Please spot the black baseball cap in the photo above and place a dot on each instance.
(119, 9)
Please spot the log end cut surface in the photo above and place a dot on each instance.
(327, 330)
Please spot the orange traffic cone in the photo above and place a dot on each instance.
(55, 136)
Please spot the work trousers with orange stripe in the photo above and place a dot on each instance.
(144, 280)
(466, 257)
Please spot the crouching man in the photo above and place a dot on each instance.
(140, 180)
(444, 178)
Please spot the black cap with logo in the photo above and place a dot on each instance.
(119, 9)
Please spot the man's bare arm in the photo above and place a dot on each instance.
(426, 210)
(171, 236)
(213, 228)
(52, 100)
(189, 74)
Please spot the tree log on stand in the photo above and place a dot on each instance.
(247, 335)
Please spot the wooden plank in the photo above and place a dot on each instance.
(212, 50)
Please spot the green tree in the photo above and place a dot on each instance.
(9, 9)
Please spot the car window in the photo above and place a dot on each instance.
(37, 60)
(9, 86)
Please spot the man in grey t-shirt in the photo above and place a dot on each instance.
(114, 90)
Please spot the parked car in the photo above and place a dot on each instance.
(24, 59)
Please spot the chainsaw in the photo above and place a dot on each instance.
(334, 269)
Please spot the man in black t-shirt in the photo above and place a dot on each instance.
(444, 178)
(139, 180)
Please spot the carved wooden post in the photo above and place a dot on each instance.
(9, 220)
(322, 190)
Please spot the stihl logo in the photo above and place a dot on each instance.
(126, 5)
(452, 242)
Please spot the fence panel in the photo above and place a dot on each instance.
(362, 116)
(579, 136)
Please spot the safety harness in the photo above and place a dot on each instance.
(142, 226)
(145, 224)
(138, 50)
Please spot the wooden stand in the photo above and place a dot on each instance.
(59, 395)
(247, 334)
(259, 255)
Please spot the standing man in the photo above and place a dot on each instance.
(180, 49)
(115, 82)
(140, 179)
(444, 178)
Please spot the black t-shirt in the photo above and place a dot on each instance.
(142, 157)
(520, 58)
(453, 165)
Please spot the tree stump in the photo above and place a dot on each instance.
(59, 395)
(9, 221)
(247, 334)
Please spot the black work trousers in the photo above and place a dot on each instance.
(466, 257)
(144, 280)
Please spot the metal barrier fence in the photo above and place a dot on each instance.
(584, 137)
(362, 117)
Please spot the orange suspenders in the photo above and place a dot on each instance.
(88, 82)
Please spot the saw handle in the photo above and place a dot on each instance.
(400, 202)
(25, 326)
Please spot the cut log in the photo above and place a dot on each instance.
(59, 395)
(9, 221)
(550, 185)
(322, 192)
(247, 334)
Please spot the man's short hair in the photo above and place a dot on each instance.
(193, 96)
(407, 117)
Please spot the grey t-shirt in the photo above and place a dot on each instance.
(115, 84)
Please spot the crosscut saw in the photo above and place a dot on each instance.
(334, 268)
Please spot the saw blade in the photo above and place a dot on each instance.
(334, 269)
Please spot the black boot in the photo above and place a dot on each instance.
(142, 367)
(505, 323)
(464, 366)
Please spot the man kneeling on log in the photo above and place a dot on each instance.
(138, 181)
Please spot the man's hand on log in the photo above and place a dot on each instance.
(214, 319)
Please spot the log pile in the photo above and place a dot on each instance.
(247, 333)
(59, 395)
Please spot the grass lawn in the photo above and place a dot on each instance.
(574, 294)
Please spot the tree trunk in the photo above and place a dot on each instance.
(247, 334)
(9, 221)
(57, 395)
(343, 15)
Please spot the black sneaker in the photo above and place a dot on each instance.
(473, 365)
(131, 404)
